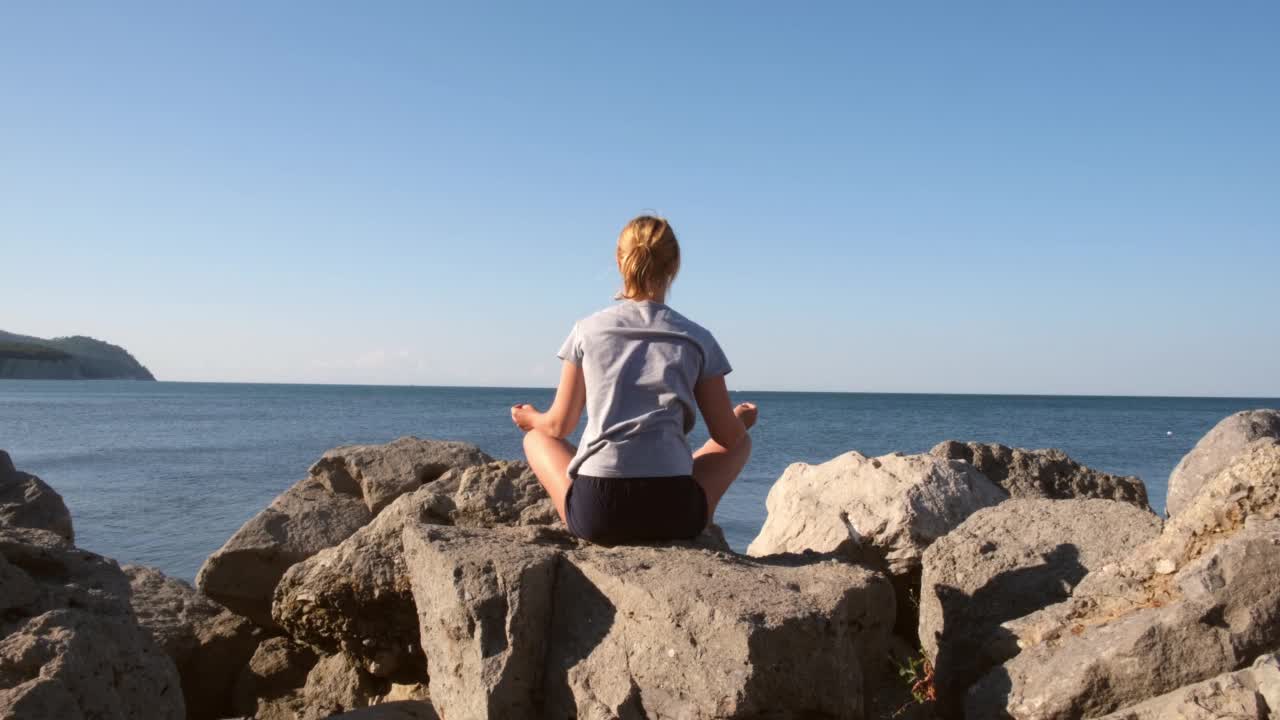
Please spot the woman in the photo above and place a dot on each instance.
(642, 371)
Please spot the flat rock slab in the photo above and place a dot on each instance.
(1199, 600)
(1008, 561)
(527, 621)
(1215, 451)
(1048, 474)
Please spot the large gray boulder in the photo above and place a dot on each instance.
(355, 597)
(1215, 451)
(382, 473)
(301, 522)
(1249, 694)
(71, 645)
(1046, 474)
(1007, 561)
(347, 487)
(520, 622)
(26, 501)
(1200, 599)
(210, 645)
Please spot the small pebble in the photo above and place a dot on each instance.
(1164, 566)
(671, 653)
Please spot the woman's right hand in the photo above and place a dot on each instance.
(747, 413)
(522, 414)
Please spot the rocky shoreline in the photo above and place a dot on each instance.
(423, 579)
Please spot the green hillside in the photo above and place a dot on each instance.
(67, 358)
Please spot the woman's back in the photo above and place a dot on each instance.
(642, 372)
(640, 361)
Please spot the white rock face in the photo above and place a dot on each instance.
(895, 504)
(1215, 451)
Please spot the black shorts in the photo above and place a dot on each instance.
(614, 511)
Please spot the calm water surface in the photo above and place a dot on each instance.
(163, 473)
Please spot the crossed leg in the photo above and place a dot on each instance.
(549, 458)
(715, 467)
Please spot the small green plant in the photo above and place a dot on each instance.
(917, 673)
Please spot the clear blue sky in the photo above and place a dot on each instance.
(988, 197)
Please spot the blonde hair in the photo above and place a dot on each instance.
(648, 258)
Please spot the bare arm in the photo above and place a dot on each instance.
(566, 410)
(717, 412)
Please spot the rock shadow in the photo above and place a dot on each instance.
(906, 587)
(990, 697)
(836, 684)
(581, 619)
(970, 642)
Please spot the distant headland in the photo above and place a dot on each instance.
(23, 357)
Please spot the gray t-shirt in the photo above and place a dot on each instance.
(641, 360)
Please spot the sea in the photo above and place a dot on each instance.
(163, 473)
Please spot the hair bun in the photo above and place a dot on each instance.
(648, 257)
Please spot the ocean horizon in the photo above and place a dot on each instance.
(161, 473)
(734, 391)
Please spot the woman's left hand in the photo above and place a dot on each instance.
(522, 414)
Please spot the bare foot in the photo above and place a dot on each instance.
(747, 413)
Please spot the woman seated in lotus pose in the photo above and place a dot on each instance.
(642, 371)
